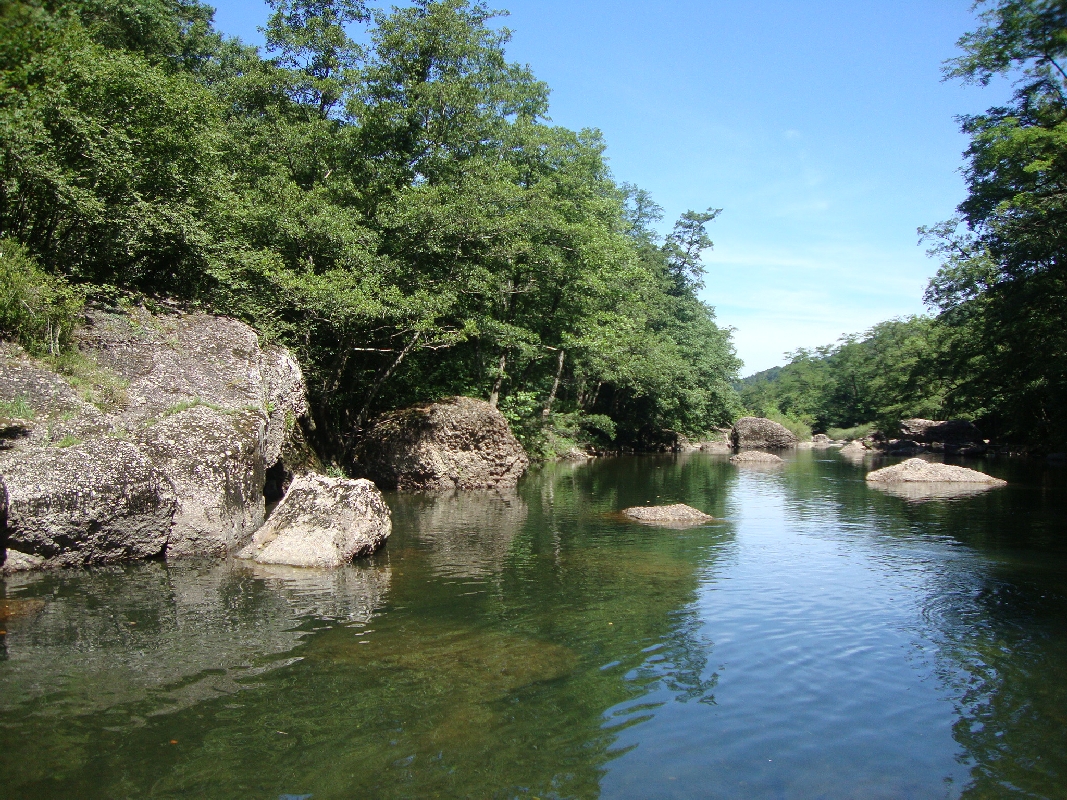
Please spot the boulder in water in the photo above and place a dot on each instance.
(755, 457)
(322, 522)
(760, 432)
(916, 470)
(676, 514)
(457, 443)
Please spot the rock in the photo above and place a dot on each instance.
(457, 443)
(215, 461)
(755, 457)
(169, 425)
(953, 431)
(678, 514)
(759, 432)
(322, 522)
(715, 447)
(91, 503)
(854, 448)
(915, 470)
(575, 454)
(821, 441)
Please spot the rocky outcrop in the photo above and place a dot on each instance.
(676, 514)
(156, 445)
(916, 470)
(322, 522)
(457, 443)
(755, 457)
(760, 432)
(821, 441)
(953, 431)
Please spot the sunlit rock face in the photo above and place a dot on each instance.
(759, 432)
(322, 522)
(165, 637)
(457, 443)
(156, 446)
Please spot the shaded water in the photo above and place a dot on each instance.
(825, 639)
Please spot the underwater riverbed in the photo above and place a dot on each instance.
(823, 639)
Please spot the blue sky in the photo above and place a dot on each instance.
(822, 129)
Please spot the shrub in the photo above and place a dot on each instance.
(37, 310)
(857, 432)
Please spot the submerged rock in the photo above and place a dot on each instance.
(755, 457)
(678, 513)
(760, 432)
(915, 470)
(322, 522)
(457, 443)
(854, 448)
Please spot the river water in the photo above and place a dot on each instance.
(823, 640)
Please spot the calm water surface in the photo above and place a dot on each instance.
(825, 639)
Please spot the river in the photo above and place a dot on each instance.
(821, 638)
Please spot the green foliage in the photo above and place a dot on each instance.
(382, 193)
(798, 426)
(855, 432)
(1002, 287)
(67, 441)
(888, 374)
(37, 310)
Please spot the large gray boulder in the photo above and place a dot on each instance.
(916, 470)
(762, 433)
(93, 503)
(457, 443)
(156, 445)
(322, 522)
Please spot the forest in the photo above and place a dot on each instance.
(381, 191)
(994, 350)
(384, 192)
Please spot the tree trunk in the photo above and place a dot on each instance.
(494, 395)
(555, 384)
(361, 420)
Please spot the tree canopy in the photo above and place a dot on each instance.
(381, 190)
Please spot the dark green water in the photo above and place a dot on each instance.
(824, 640)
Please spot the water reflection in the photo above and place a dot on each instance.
(829, 640)
(85, 640)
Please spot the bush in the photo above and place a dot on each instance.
(37, 310)
(857, 432)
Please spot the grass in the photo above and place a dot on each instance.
(857, 432)
(68, 441)
(92, 383)
(19, 408)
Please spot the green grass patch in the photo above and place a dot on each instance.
(67, 441)
(19, 408)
